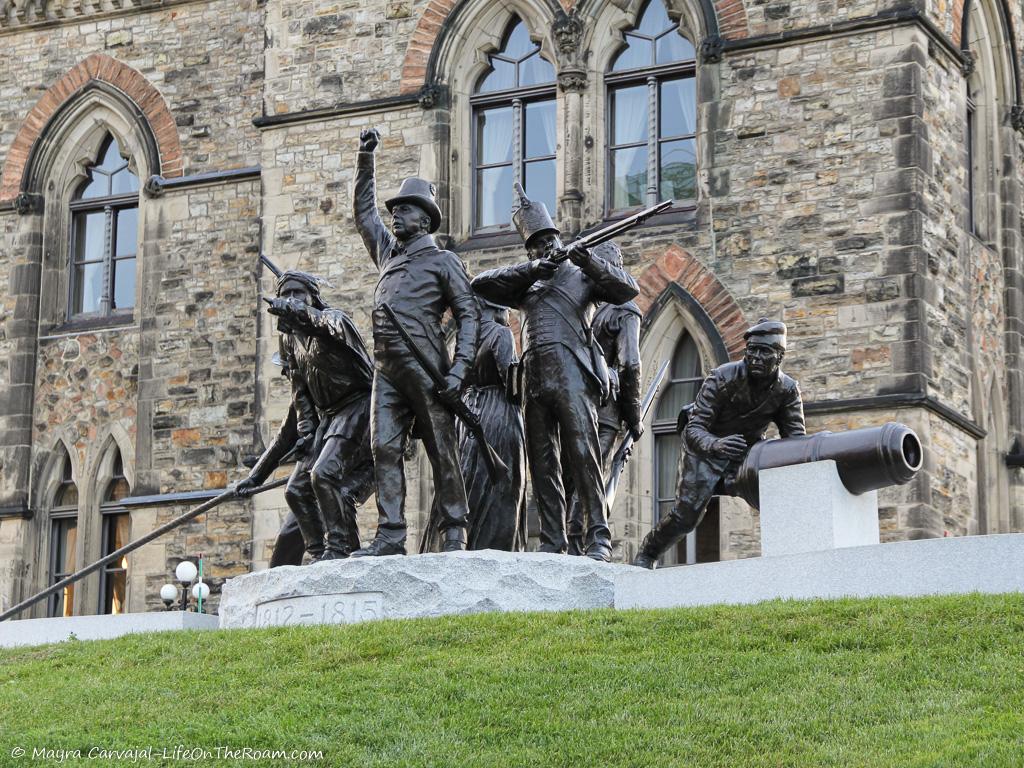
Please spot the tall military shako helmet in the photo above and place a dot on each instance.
(766, 331)
(422, 193)
(531, 218)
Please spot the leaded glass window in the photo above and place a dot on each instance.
(63, 540)
(514, 133)
(116, 527)
(652, 108)
(686, 375)
(104, 237)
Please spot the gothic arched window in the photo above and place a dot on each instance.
(652, 108)
(685, 377)
(514, 133)
(116, 528)
(104, 240)
(63, 540)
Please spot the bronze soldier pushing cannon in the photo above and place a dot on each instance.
(723, 446)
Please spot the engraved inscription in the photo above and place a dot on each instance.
(344, 608)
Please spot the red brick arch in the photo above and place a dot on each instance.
(732, 19)
(96, 67)
(677, 266)
(958, 21)
(417, 54)
(732, 22)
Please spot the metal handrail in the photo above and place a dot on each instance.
(131, 546)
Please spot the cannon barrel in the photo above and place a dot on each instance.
(867, 459)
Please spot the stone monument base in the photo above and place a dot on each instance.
(806, 508)
(349, 591)
(952, 566)
(396, 587)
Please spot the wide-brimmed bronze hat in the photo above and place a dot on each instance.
(768, 331)
(418, 192)
(531, 218)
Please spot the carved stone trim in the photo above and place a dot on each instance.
(711, 49)
(970, 60)
(572, 80)
(23, 13)
(431, 96)
(27, 202)
(154, 186)
(1017, 117)
(567, 30)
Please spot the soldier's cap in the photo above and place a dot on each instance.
(308, 280)
(531, 217)
(422, 193)
(767, 331)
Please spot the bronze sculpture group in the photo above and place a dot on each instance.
(480, 410)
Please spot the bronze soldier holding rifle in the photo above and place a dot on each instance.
(565, 379)
(328, 422)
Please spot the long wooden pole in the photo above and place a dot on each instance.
(131, 546)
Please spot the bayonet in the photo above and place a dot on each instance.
(622, 454)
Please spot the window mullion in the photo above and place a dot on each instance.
(519, 140)
(652, 140)
(108, 262)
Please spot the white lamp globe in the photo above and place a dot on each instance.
(201, 591)
(168, 593)
(186, 571)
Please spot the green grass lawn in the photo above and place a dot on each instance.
(894, 683)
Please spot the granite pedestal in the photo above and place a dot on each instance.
(806, 508)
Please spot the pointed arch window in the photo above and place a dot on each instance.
(63, 540)
(104, 237)
(116, 530)
(686, 375)
(991, 73)
(652, 109)
(514, 133)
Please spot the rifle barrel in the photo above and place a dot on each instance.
(274, 269)
(612, 231)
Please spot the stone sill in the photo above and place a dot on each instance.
(88, 324)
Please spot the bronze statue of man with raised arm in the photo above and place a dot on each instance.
(420, 282)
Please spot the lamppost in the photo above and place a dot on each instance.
(186, 573)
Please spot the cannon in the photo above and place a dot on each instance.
(866, 459)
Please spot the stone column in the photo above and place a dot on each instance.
(567, 30)
(20, 304)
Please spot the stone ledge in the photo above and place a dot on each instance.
(950, 566)
(18, 14)
(104, 627)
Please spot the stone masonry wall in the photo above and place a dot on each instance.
(321, 53)
(835, 178)
(205, 59)
(197, 377)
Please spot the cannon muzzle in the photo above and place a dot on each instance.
(867, 459)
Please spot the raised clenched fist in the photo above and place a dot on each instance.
(369, 138)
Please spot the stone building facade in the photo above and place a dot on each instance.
(856, 170)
